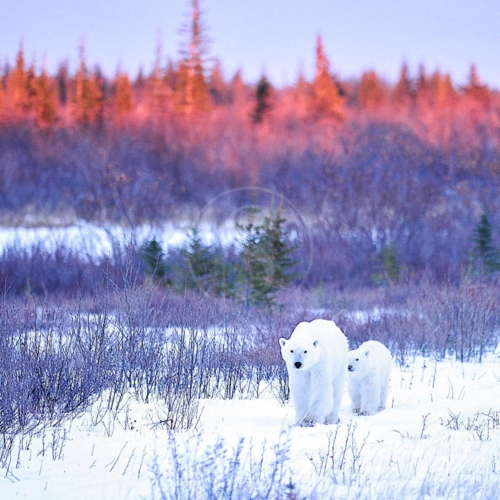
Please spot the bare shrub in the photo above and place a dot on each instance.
(464, 320)
(215, 470)
(343, 458)
(480, 424)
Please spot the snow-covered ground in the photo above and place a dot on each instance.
(438, 438)
(100, 240)
(90, 239)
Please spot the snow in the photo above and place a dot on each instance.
(89, 239)
(99, 240)
(438, 438)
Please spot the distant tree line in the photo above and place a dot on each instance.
(86, 98)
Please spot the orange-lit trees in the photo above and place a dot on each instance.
(44, 100)
(371, 91)
(123, 100)
(217, 86)
(326, 101)
(475, 89)
(2, 99)
(442, 89)
(17, 87)
(87, 96)
(192, 90)
(159, 87)
(402, 94)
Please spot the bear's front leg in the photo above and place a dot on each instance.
(383, 395)
(322, 405)
(370, 397)
(355, 399)
(300, 387)
(337, 394)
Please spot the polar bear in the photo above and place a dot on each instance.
(316, 360)
(368, 373)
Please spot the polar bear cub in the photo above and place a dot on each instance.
(368, 373)
(316, 361)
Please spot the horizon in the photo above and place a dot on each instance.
(277, 40)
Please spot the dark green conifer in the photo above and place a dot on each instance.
(262, 100)
(483, 252)
(154, 258)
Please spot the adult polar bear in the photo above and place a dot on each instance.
(316, 360)
(369, 372)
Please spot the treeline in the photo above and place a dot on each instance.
(381, 173)
(87, 98)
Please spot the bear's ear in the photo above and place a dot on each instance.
(282, 342)
(367, 353)
(315, 343)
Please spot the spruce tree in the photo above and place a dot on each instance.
(262, 100)
(192, 91)
(442, 91)
(389, 267)
(207, 268)
(476, 89)
(123, 97)
(88, 95)
(266, 254)
(154, 258)
(326, 99)
(371, 91)
(276, 245)
(199, 259)
(254, 263)
(17, 86)
(44, 101)
(402, 93)
(2, 96)
(483, 252)
(217, 85)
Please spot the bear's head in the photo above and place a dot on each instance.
(300, 354)
(358, 360)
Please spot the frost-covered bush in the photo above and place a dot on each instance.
(193, 469)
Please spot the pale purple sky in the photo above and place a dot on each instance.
(277, 37)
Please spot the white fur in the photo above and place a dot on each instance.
(368, 375)
(316, 360)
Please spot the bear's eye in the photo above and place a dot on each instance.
(291, 350)
(305, 352)
(357, 359)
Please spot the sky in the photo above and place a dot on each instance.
(272, 37)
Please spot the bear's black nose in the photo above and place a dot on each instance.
(297, 364)
(350, 368)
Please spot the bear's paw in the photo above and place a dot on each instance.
(307, 422)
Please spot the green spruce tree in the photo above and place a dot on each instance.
(206, 267)
(266, 255)
(389, 267)
(485, 256)
(154, 258)
(199, 261)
